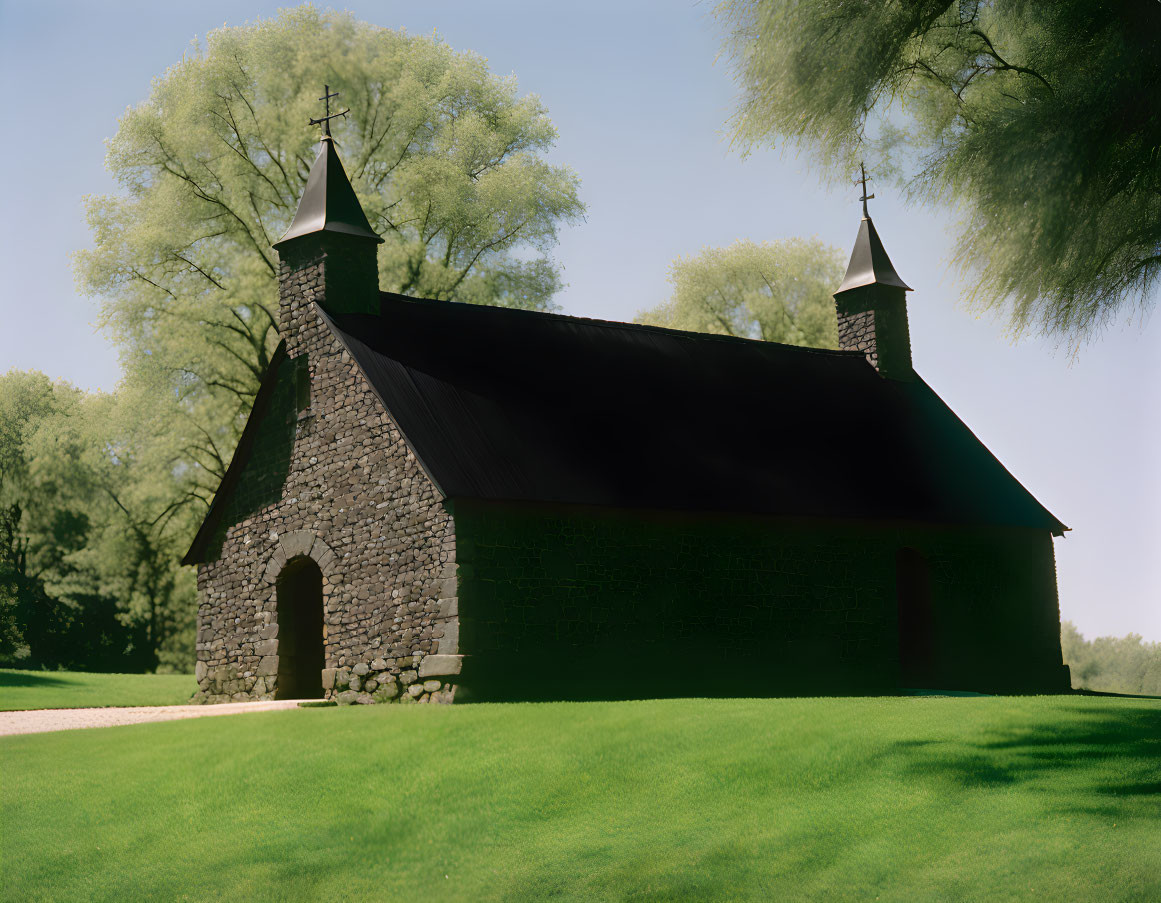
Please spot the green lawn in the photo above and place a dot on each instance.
(74, 689)
(908, 799)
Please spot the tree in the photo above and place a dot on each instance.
(1112, 664)
(26, 400)
(108, 460)
(92, 524)
(39, 530)
(1041, 122)
(445, 157)
(774, 291)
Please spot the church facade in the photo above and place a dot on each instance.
(435, 501)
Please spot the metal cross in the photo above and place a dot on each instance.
(325, 121)
(866, 197)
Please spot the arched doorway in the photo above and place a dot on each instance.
(916, 622)
(300, 631)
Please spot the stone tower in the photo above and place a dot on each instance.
(872, 306)
(329, 253)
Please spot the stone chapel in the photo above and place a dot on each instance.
(435, 501)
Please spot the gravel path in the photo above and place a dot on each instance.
(40, 720)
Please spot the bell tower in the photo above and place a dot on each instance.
(871, 304)
(329, 253)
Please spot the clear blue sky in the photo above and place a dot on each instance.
(640, 106)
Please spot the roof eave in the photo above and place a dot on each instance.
(861, 280)
(870, 263)
(302, 230)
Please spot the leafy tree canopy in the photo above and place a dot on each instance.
(446, 158)
(1041, 122)
(775, 291)
(92, 524)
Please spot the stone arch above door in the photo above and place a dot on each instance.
(300, 543)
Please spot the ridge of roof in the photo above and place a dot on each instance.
(686, 334)
(501, 406)
(483, 421)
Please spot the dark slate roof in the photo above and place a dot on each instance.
(328, 202)
(514, 405)
(869, 263)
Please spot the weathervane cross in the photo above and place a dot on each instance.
(325, 120)
(866, 197)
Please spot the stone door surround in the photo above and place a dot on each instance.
(301, 544)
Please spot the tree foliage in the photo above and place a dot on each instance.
(91, 527)
(445, 156)
(1040, 122)
(774, 291)
(1112, 664)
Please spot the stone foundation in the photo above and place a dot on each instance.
(386, 681)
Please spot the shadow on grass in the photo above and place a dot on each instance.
(25, 679)
(1107, 751)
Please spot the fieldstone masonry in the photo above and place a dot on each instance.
(358, 504)
(610, 604)
(856, 332)
(560, 601)
(873, 320)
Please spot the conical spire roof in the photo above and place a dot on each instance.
(328, 203)
(870, 264)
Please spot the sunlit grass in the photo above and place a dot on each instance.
(909, 799)
(73, 689)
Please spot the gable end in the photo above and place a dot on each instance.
(262, 457)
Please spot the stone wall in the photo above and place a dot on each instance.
(856, 332)
(586, 603)
(356, 501)
(873, 319)
(560, 602)
(996, 607)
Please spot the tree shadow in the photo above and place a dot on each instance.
(1109, 750)
(25, 679)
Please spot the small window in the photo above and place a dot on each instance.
(302, 388)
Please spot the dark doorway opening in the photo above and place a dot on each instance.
(916, 622)
(300, 631)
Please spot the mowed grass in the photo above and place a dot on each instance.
(76, 690)
(908, 799)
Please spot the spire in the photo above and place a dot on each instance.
(329, 254)
(870, 264)
(871, 302)
(328, 203)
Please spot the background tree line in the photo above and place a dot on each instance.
(1112, 664)
(93, 518)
